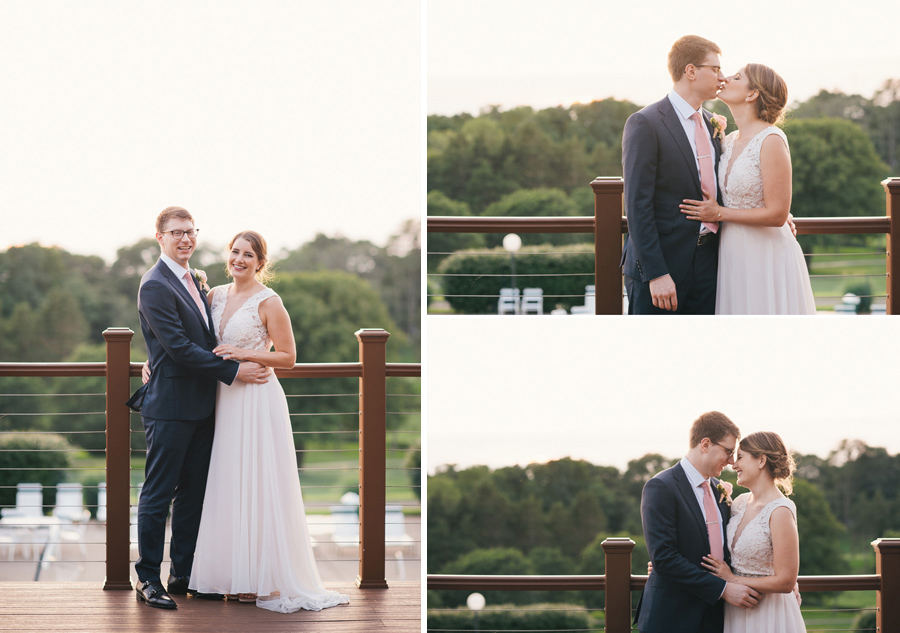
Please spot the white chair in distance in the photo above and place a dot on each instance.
(101, 502)
(29, 503)
(345, 522)
(72, 514)
(509, 301)
(395, 534)
(590, 302)
(533, 300)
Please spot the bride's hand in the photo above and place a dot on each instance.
(718, 568)
(702, 211)
(230, 352)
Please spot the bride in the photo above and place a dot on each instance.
(762, 539)
(761, 265)
(253, 541)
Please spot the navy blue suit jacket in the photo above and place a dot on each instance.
(660, 171)
(680, 596)
(183, 369)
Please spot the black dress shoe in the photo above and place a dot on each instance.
(154, 595)
(179, 587)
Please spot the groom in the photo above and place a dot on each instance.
(178, 408)
(684, 516)
(669, 155)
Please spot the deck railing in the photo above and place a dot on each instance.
(609, 225)
(372, 370)
(618, 583)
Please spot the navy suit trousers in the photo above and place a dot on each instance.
(178, 455)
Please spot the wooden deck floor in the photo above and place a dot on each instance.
(66, 607)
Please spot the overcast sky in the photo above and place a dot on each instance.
(516, 390)
(291, 118)
(542, 53)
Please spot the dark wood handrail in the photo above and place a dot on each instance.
(482, 224)
(868, 582)
(585, 224)
(516, 583)
(300, 370)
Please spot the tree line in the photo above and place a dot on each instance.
(526, 162)
(54, 306)
(551, 518)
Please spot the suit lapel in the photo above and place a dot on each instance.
(717, 149)
(687, 493)
(670, 120)
(181, 290)
(725, 511)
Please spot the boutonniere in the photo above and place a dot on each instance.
(725, 490)
(200, 276)
(719, 124)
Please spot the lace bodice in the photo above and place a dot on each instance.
(244, 328)
(752, 554)
(743, 187)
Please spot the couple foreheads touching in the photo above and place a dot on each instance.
(722, 565)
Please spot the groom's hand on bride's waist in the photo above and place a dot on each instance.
(251, 372)
(740, 595)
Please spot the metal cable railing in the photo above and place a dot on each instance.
(330, 458)
(607, 227)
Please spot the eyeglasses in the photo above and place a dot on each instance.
(730, 451)
(178, 233)
(717, 69)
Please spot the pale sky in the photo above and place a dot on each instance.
(543, 54)
(290, 118)
(515, 390)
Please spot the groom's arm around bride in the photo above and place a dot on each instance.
(680, 595)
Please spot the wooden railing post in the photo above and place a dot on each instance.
(118, 458)
(618, 583)
(372, 429)
(608, 207)
(892, 195)
(887, 599)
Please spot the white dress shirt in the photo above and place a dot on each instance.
(697, 480)
(178, 270)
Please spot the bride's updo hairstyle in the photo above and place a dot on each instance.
(264, 273)
(779, 462)
(773, 92)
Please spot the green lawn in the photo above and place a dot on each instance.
(326, 475)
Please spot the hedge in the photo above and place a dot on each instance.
(574, 260)
(538, 617)
(21, 451)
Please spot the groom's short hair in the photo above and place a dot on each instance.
(690, 49)
(714, 425)
(171, 212)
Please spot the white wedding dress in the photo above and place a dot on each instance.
(761, 268)
(253, 535)
(751, 555)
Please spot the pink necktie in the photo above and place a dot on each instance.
(712, 523)
(195, 294)
(707, 181)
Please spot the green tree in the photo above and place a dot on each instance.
(836, 172)
(497, 561)
(542, 202)
(439, 243)
(820, 533)
(326, 308)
